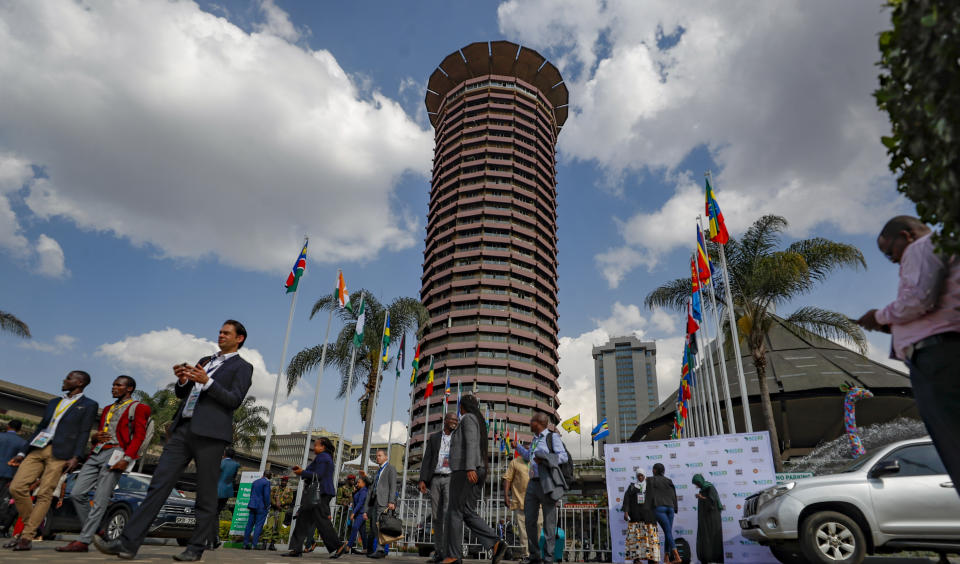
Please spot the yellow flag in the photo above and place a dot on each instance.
(572, 425)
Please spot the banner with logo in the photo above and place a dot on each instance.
(240, 512)
(738, 465)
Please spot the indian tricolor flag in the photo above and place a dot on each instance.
(297, 271)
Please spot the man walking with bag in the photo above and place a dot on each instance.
(122, 432)
(546, 487)
(435, 475)
(381, 497)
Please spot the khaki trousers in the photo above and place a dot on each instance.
(39, 463)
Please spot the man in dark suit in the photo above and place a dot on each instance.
(382, 496)
(11, 443)
(200, 431)
(435, 475)
(258, 506)
(57, 446)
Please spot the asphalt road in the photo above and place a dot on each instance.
(43, 551)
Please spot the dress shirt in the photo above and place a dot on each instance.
(61, 408)
(539, 446)
(443, 456)
(212, 365)
(928, 297)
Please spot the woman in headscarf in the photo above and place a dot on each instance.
(643, 541)
(709, 522)
(661, 499)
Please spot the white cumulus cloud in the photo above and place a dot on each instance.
(169, 126)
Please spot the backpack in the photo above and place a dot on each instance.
(566, 468)
(151, 428)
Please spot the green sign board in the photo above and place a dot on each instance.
(240, 512)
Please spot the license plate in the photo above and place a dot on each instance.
(744, 523)
(186, 520)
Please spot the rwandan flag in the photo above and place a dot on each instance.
(297, 271)
(386, 340)
(429, 391)
(415, 365)
(718, 229)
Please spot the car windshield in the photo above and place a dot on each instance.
(138, 484)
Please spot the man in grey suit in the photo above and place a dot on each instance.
(546, 487)
(435, 479)
(468, 463)
(200, 431)
(382, 496)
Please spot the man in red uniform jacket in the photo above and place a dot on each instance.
(117, 446)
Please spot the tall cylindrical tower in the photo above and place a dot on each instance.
(490, 262)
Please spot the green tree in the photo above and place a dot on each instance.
(249, 423)
(163, 406)
(763, 278)
(407, 315)
(920, 90)
(11, 324)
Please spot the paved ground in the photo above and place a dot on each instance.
(44, 552)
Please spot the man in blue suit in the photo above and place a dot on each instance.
(11, 443)
(57, 446)
(228, 473)
(258, 506)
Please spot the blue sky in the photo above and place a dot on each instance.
(160, 163)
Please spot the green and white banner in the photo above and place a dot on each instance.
(240, 511)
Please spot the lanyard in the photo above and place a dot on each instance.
(115, 409)
(57, 412)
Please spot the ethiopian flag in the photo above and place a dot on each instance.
(429, 391)
(718, 229)
(572, 425)
(416, 365)
(297, 271)
(361, 318)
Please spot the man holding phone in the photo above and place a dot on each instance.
(200, 431)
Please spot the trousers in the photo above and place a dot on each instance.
(933, 375)
(38, 464)
(251, 533)
(463, 512)
(182, 447)
(534, 502)
(95, 474)
(664, 515)
(439, 505)
(315, 517)
(520, 523)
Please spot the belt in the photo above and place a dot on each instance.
(109, 446)
(931, 341)
(447, 475)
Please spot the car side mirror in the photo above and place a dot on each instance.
(885, 469)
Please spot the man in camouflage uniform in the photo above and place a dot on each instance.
(344, 499)
(281, 501)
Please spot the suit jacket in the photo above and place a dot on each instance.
(260, 495)
(73, 431)
(129, 442)
(431, 454)
(359, 502)
(465, 453)
(228, 471)
(213, 415)
(384, 490)
(321, 468)
(10, 444)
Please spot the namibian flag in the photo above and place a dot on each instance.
(429, 391)
(415, 365)
(718, 229)
(297, 271)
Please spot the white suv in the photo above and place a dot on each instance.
(896, 498)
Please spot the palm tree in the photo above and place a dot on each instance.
(249, 424)
(763, 278)
(406, 315)
(11, 324)
(163, 406)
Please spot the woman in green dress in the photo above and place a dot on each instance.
(709, 522)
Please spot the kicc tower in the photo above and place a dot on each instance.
(490, 262)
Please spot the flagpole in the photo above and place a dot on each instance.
(716, 426)
(372, 402)
(744, 398)
(393, 412)
(731, 425)
(423, 449)
(276, 388)
(406, 451)
(346, 405)
(313, 412)
(705, 375)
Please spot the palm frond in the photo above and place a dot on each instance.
(830, 325)
(824, 256)
(11, 324)
(672, 295)
(763, 235)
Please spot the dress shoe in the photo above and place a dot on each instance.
(113, 548)
(12, 542)
(499, 551)
(292, 554)
(272, 547)
(340, 551)
(75, 546)
(379, 554)
(188, 556)
(23, 544)
(356, 550)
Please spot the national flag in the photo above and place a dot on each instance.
(703, 260)
(401, 354)
(458, 399)
(386, 339)
(361, 319)
(600, 431)
(343, 296)
(429, 391)
(696, 306)
(446, 388)
(692, 325)
(293, 279)
(516, 452)
(572, 425)
(718, 228)
(415, 364)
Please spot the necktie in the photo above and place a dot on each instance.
(194, 396)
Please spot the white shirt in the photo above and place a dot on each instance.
(212, 367)
(443, 456)
(61, 408)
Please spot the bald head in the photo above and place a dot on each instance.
(539, 422)
(897, 235)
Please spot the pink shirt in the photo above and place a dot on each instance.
(928, 298)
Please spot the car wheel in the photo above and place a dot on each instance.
(183, 541)
(832, 538)
(116, 521)
(788, 553)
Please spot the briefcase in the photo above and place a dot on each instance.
(390, 527)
